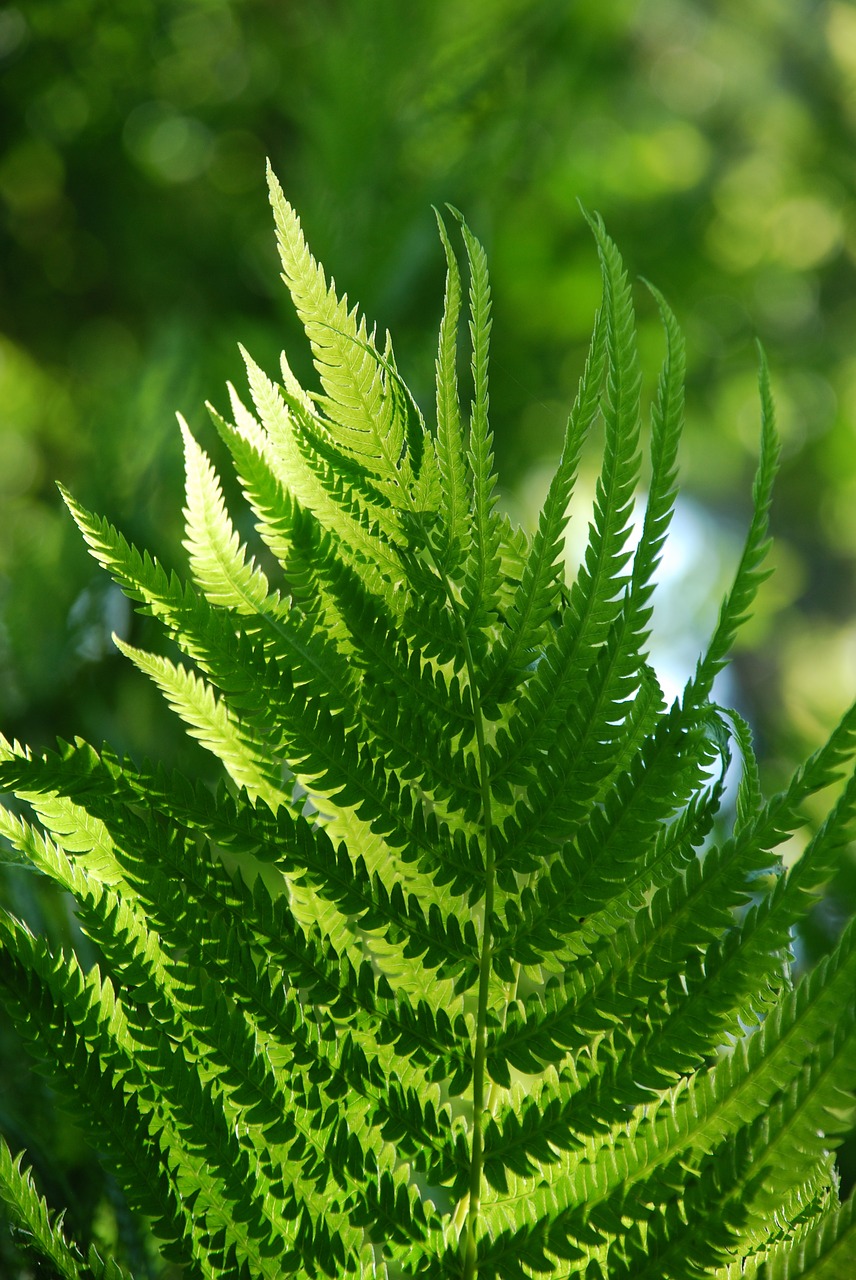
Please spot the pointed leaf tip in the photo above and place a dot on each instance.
(69, 499)
(593, 218)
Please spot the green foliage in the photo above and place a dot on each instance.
(468, 969)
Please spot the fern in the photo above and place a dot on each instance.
(466, 969)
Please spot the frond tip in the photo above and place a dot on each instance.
(462, 971)
(750, 572)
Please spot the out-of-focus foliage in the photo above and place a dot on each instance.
(717, 140)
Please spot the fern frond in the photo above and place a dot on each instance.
(210, 722)
(588, 664)
(215, 1037)
(289, 531)
(456, 492)
(217, 558)
(481, 577)
(596, 591)
(825, 1252)
(356, 397)
(667, 413)
(32, 986)
(342, 507)
(539, 593)
(31, 1216)
(465, 969)
(700, 1114)
(591, 873)
(750, 573)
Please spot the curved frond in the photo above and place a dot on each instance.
(750, 572)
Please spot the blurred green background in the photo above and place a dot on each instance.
(717, 139)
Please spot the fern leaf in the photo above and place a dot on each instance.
(29, 982)
(464, 969)
(290, 532)
(345, 509)
(31, 1216)
(596, 603)
(456, 492)
(667, 414)
(482, 574)
(825, 1252)
(356, 398)
(244, 1078)
(539, 593)
(594, 594)
(209, 720)
(217, 558)
(750, 573)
